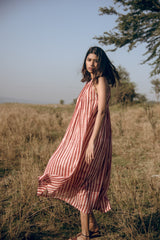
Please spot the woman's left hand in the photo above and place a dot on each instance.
(89, 152)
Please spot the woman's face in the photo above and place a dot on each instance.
(92, 63)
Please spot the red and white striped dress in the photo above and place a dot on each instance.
(67, 176)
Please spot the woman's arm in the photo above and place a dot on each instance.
(101, 88)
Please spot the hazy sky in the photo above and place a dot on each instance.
(43, 44)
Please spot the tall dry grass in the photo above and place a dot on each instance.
(29, 134)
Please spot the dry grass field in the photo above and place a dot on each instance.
(29, 134)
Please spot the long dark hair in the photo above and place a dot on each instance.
(105, 68)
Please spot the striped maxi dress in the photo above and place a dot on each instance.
(67, 176)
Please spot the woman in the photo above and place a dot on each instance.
(79, 170)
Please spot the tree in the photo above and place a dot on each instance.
(156, 87)
(74, 100)
(125, 91)
(137, 22)
(61, 101)
(140, 98)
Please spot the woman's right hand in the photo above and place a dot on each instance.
(89, 156)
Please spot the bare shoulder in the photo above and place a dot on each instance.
(102, 83)
(102, 80)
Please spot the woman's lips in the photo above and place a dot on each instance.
(91, 69)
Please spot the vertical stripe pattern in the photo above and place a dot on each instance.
(67, 175)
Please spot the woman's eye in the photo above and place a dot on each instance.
(89, 60)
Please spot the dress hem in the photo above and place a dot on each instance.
(104, 210)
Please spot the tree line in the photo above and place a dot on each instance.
(125, 92)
